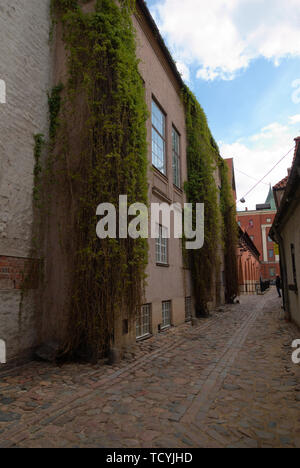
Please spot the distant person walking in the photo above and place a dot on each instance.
(278, 285)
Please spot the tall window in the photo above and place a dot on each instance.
(272, 272)
(251, 223)
(176, 158)
(166, 314)
(143, 321)
(158, 138)
(162, 246)
(294, 265)
(271, 253)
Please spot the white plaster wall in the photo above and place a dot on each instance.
(24, 66)
(25, 69)
(291, 235)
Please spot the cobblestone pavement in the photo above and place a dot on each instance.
(229, 382)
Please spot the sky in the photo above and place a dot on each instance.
(242, 60)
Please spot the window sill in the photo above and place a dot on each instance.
(167, 327)
(144, 338)
(159, 173)
(163, 265)
(178, 189)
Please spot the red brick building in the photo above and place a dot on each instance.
(257, 224)
(248, 264)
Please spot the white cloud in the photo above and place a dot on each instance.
(256, 156)
(295, 119)
(184, 70)
(221, 37)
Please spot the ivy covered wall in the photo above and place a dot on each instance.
(98, 151)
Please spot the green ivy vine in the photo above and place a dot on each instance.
(109, 159)
(202, 157)
(230, 234)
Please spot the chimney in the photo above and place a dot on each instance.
(246, 209)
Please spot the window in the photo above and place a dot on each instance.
(294, 266)
(272, 272)
(269, 239)
(188, 309)
(252, 238)
(158, 138)
(176, 158)
(162, 246)
(143, 321)
(239, 223)
(251, 224)
(166, 314)
(125, 327)
(271, 253)
(269, 220)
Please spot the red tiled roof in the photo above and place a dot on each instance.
(282, 184)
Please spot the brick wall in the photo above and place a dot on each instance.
(252, 223)
(15, 271)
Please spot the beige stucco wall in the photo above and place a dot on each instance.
(25, 68)
(291, 235)
(172, 282)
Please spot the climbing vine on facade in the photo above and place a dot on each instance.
(230, 234)
(103, 150)
(202, 157)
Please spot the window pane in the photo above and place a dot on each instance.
(158, 119)
(166, 313)
(143, 325)
(158, 151)
(176, 158)
(158, 138)
(161, 246)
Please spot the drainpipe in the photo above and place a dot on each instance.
(283, 268)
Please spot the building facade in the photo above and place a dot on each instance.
(30, 67)
(169, 291)
(286, 232)
(257, 224)
(248, 264)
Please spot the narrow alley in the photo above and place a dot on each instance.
(228, 382)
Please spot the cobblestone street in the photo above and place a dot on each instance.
(229, 382)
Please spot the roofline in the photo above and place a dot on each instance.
(287, 200)
(245, 213)
(145, 10)
(250, 243)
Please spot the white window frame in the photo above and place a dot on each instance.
(159, 165)
(161, 246)
(143, 322)
(166, 314)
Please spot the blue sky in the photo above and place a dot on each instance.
(243, 64)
